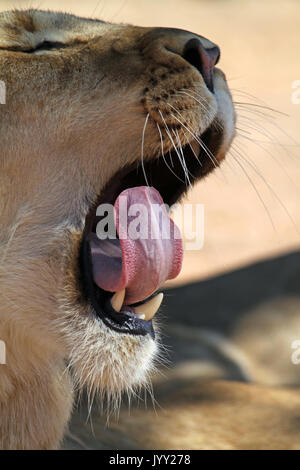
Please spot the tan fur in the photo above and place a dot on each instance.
(72, 118)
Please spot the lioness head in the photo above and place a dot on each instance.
(93, 109)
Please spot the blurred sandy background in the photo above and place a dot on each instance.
(238, 318)
(259, 42)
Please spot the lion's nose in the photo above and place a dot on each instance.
(197, 50)
(204, 59)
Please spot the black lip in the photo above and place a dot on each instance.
(171, 189)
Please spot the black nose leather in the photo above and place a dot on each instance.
(203, 59)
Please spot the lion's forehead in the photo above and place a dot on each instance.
(28, 28)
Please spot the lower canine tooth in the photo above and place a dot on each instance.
(117, 300)
(149, 309)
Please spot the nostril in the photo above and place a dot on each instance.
(204, 59)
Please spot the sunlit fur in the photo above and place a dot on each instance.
(72, 118)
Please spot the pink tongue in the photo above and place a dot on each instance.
(148, 251)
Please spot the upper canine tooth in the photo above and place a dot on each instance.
(150, 308)
(117, 300)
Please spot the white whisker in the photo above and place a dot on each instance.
(142, 151)
(198, 139)
(271, 189)
(182, 159)
(163, 156)
(254, 187)
(169, 135)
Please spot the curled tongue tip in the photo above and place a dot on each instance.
(147, 252)
(154, 254)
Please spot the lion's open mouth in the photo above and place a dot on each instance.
(121, 277)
